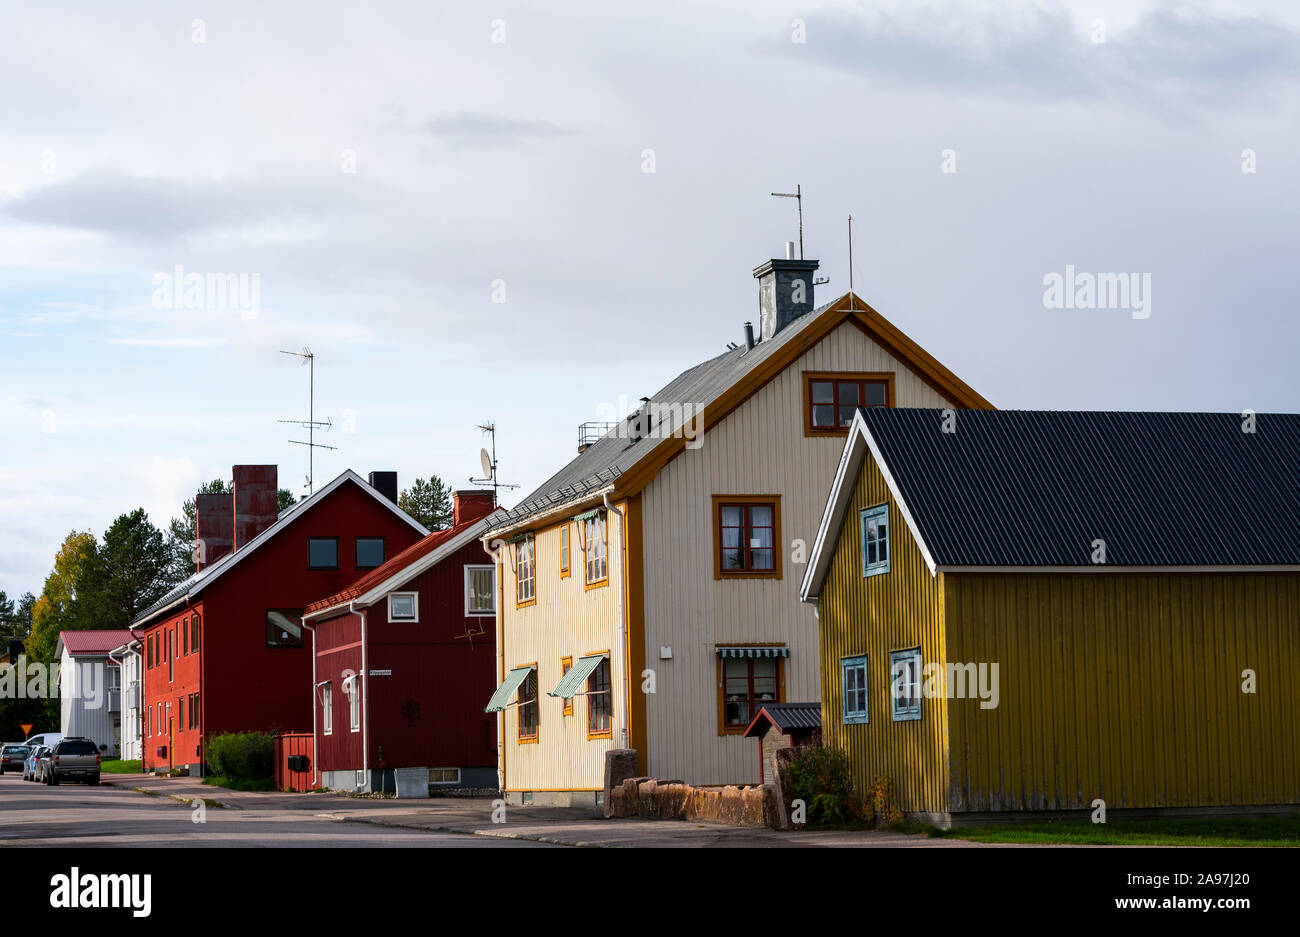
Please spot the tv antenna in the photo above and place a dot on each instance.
(488, 462)
(797, 195)
(311, 422)
(850, 263)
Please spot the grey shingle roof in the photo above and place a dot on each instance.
(786, 717)
(1035, 488)
(616, 452)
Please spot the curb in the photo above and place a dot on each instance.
(549, 840)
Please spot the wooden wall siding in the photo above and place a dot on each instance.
(1127, 688)
(760, 448)
(567, 621)
(875, 615)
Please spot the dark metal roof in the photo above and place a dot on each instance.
(786, 717)
(1036, 488)
(616, 452)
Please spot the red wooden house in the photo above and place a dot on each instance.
(403, 660)
(223, 651)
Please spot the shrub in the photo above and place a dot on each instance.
(884, 802)
(822, 778)
(248, 756)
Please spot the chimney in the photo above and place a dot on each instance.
(749, 335)
(385, 483)
(214, 528)
(785, 292)
(256, 503)
(470, 505)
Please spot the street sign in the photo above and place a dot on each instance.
(26, 727)
(381, 673)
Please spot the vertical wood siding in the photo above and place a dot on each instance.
(1127, 687)
(759, 448)
(874, 615)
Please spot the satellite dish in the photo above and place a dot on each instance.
(486, 461)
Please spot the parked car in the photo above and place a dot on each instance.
(29, 764)
(12, 756)
(48, 739)
(41, 767)
(73, 759)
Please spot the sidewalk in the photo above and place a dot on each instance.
(558, 825)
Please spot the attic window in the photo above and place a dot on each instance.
(832, 397)
(875, 540)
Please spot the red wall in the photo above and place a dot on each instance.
(429, 712)
(164, 687)
(247, 686)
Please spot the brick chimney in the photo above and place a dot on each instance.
(470, 505)
(214, 528)
(785, 292)
(256, 503)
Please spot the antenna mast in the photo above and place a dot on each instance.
(489, 463)
(311, 422)
(797, 195)
(850, 262)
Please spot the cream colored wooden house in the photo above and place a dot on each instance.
(650, 589)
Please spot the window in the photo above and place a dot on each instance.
(171, 658)
(194, 710)
(185, 637)
(352, 686)
(600, 702)
(595, 546)
(327, 708)
(905, 684)
(404, 606)
(525, 582)
(370, 552)
(747, 683)
(566, 664)
(480, 590)
(194, 633)
(147, 722)
(564, 551)
(527, 709)
(875, 540)
(284, 627)
(747, 535)
(180, 711)
(831, 398)
(323, 553)
(444, 775)
(149, 654)
(853, 689)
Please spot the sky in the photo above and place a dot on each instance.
(533, 214)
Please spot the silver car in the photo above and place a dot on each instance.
(12, 756)
(40, 762)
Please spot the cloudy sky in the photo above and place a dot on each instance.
(385, 171)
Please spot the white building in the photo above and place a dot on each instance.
(90, 698)
(129, 659)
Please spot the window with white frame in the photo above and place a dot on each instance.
(853, 689)
(480, 590)
(596, 546)
(404, 606)
(327, 708)
(905, 684)
(525, 574)
(353, 688)
(875, 540)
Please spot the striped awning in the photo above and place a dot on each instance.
(587, 515)
(577, 676)
(501, 698)
(724, 651)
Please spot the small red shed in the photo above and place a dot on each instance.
(403, 659)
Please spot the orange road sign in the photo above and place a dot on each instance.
(26, 727)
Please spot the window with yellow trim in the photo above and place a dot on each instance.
(525, 572)
(564, 551)
(566, 664)
(600, 702)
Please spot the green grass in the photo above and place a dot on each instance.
(1201, 831)
(113, 766)
(242, 784)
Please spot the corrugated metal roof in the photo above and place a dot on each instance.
(786, 717)
(616, 452)
(501, 698)
(1037, 488)
(93, 642)
(572, 681)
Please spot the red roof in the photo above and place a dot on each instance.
(394, 566)
(94, 642)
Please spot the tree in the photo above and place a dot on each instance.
(428, 502)
(59, 606)
(285, 498)
(15, 620)
(181, 537)
(130, 572)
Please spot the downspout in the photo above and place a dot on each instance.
(365, 700)
(315, 748)
(622, 619)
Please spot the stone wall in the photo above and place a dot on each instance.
(653, 798)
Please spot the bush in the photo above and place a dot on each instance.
(822, 778)
(248, 756)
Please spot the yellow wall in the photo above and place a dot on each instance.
(874, 615)
(1127, 687)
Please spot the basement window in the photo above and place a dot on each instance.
(323, 553)
(444, 775)
(284, 627)
(875, 540)
(905, 684)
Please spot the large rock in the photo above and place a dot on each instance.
(620, 764)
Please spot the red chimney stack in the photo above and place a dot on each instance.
(470, 505)
(257, 504)
(214, 528)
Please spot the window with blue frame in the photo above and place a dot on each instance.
(875, 540)
(853, 688)
(905, 684)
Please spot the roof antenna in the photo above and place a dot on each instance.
(488, 462)
(311, 422)
(850, 263)
(797, 195)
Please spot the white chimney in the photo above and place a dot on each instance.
(789, 250)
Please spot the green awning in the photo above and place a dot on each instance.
(501, 698)
(577, 676)
(753, 652)
(594, 512)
